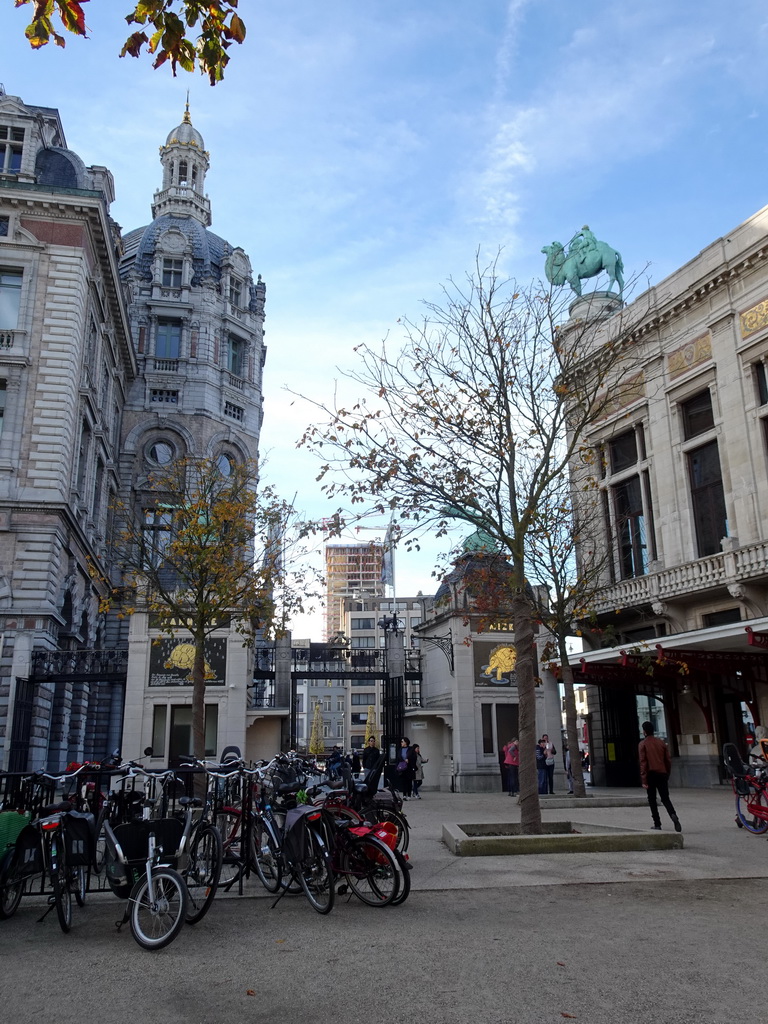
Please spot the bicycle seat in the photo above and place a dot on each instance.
(288, 788)
(60, 808)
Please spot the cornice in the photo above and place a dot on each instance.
(725, 273)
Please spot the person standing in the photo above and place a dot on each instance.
(655, 768)
(418, 776)
(371, 753)
(512, 767)
(549, 761)
(406, 768)
(541, 767)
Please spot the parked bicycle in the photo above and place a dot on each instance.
(58, 844)
(367, 862)
(288, 848)
(363, 801)
(750, 788)
(140, 858)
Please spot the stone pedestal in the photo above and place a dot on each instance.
(595, 305)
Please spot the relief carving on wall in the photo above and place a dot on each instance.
(693, 353)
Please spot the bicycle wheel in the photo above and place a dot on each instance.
(371, 870)
(62, 893)
(229, 824)
(265, 855)
(203, 873)
(397, 818)
(405, 880)
(78, 881)
(752, 811)
(315, 874)
(100, 856)
(156, 922)
(11, 889)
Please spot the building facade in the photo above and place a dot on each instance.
(117, 356)
(681, 622)
(66, 366)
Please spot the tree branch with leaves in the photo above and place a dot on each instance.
(199, 548)
(187, 33)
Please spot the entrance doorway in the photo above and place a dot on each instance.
(180, 734)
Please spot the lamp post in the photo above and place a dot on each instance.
(394, 693)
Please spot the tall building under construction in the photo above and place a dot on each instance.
(351, 570)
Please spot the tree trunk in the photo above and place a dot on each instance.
(579, 789)
(530, 806)
(198, 712)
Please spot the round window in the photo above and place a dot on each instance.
(160, 453)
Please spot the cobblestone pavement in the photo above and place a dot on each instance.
(599, 938)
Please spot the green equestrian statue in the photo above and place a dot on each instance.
(585, 258)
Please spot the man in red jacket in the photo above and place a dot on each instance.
(655, 766)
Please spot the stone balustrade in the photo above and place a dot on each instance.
(739, 566)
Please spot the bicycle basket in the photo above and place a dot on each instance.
(79, 838)
(134, 838)
(29, 855)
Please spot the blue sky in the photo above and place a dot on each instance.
(362, 152)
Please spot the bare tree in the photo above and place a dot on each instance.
(473, 421)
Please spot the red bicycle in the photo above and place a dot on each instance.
(750, 787)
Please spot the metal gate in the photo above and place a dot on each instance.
(21, 727)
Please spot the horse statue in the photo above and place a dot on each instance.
(585, 258)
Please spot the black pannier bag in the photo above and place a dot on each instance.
(79, 838)
(28, 858)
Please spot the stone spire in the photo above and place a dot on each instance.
(185, 164)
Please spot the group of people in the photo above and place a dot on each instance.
(410, 772)
(545, 766)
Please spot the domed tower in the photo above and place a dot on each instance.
(197, 321)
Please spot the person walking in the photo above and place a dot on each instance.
(549, 761)
(406, 769)
(418, 775)
(512, 767)
(541, 767)
(371, 753)
(655, 767)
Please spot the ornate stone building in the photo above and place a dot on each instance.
(197, 321)
(117, 355)
(682, 619)
(66, 364)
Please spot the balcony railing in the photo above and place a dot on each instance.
(166, 366)
(724, 568)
